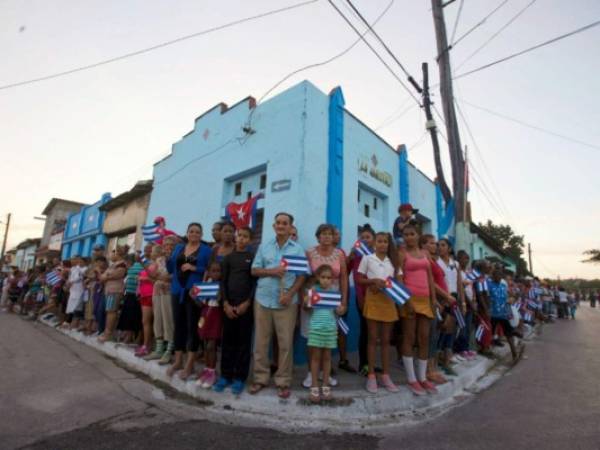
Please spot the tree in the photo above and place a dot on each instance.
(593, 256)
(511, 243)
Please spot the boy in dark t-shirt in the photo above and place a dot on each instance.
(237, 292)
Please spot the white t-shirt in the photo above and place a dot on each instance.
(562, 297)
(450, 274)
(467, 284)
(373, 267)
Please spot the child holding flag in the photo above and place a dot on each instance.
(379, 310)
(322, 334)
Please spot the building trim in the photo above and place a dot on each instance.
(335, 171)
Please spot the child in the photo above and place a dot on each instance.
(130, 319)
(145, 289)
(114, 286)
(406, 216)
(379, 310)
(322, 336)
(209, 330)
(237, 292)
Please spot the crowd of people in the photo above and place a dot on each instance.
(456, 307)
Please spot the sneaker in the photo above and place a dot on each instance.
(307, 381)
(237, 387)
(210, 378)
(371, 385)
(429, 387)
(388, 383)
(472, 354)
(456, 358)
(142, 351)
(221, 384)
(202, 377)
(416, 388)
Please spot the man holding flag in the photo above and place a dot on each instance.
(275, 308)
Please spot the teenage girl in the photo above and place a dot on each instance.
(417, 313)
(379, 310)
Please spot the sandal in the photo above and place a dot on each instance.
(315, 396)
(326, 391)
(256, 388)
(283, 392)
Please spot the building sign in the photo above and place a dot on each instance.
(369, 166)
(281, 185)
(55, 241)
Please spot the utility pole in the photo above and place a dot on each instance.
(529, 252)
(5, 238)
(447, 94)
(432, 128)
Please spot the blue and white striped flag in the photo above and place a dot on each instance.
(343, 326)
(533, 304)
(296, 264)
(527, 316)
(396, 291)
(479, 332)
(52, 278)
(145, 261)
(362, 248)
(482, 286)
(150, 233)
(460, 320)
(473, 275)
(324, 299)
(205, 291)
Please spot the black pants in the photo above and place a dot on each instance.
(236, 346)
(185, 317)
(363, 338)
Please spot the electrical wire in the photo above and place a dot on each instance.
(409, 77)
(375, 52)
(534, 127)
(387, 122)
(157, 46)
(493, 36)
(527, 50)
(460, 8)
(478, 24)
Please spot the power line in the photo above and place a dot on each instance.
(493, 36)
(374, 52)
(460, 8)
(157, 46)
(390, 120)
(477, 25)
(409, 77)
(535, 127)
(527, 50)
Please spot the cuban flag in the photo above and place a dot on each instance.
(243, 214)
(205, 291)
(295, 264)
(151, 233)
(482, 286)
(533, 304)
(396, 291)
(473, 275)
(362, 248)
(343, 326)
(52, 278)
(527, 316)
(460, 320)
(479, 333)
(325, 299)
(518, 305)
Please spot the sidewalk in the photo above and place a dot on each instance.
(353, 408)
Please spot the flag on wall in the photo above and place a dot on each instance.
(243, 214)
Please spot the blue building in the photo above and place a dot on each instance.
(83, 230)
(306, 154)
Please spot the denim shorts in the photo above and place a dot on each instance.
(112, 302)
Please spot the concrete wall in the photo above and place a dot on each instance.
(120, 220)
(59, 212)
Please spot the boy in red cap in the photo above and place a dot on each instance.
(407, 214)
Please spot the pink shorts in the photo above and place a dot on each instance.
(146, 301)
(211, 323)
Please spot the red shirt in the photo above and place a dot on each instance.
(438, 276)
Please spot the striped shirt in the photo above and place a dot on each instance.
(131, 280)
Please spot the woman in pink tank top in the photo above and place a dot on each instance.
(417, 313)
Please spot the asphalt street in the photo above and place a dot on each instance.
(58, 394)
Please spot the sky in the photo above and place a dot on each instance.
(100, 130)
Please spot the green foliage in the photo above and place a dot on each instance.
(593, 256)
(511, 243)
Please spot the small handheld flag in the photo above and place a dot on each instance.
(533, 304)
(52, 278)
(460, 320)
(296, 264)
(324, 299)
(482, 286)
(205, 291)
(438, 315)
(344, 328)
(150, 233)
(473, 275)
(396, 291)
(362, 248)
(479, 333)
(527, 316)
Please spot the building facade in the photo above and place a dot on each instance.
(481, 245)
(25, 257)
(83, 230)
(307, 155)
(125, 215)
(56, 211)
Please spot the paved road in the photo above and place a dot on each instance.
(58, 394)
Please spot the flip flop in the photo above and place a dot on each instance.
(256, 388)
(283, 392)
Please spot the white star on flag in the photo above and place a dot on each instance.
(241, 214)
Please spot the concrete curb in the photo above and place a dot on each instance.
(354, 410)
